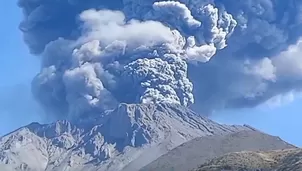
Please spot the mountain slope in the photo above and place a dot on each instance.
(278, 160)
(195, 152)
(127, 138)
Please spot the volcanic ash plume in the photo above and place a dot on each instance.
(209, 54)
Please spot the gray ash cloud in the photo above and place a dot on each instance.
(206, 54)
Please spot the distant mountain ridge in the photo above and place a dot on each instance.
(127, 138)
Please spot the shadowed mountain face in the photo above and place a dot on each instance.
(127, 138)
(195, 152)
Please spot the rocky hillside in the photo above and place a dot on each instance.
(127, 138)
(278, 160)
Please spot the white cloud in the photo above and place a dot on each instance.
(289, 62)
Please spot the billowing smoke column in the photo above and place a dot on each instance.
(207, 54)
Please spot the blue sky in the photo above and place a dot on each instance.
(18, 67)
(16, 71)
(283, 121)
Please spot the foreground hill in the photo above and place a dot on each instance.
(278, 160)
